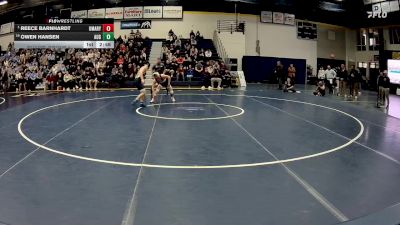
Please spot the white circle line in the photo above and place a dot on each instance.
(192, 119)
(193, 166)
(3, 100)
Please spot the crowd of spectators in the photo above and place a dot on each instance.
(74, 69)
(24, 70)
(346, 83)
(186, 60)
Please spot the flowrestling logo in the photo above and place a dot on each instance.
(146, 25)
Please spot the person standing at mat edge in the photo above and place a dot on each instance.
(280, 74)
(292, 73)
(139, 83)
(330, 78)
(343, 78)
(383, 89)
(354, 82)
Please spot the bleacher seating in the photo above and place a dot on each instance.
(201, 45)
(94, 68)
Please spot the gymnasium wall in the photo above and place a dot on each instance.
(234, 45)
(331, 42)
(278, 41)
(351, 47)
(205, 22)
(366, 56)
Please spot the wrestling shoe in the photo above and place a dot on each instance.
(134, 102)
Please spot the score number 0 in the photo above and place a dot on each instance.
(108, 32)
(108, 27)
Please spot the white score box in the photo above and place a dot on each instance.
(89, 44)
(104, 44)
(110, 44)
(100, 44)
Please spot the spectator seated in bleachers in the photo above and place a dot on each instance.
(199, 70)
(118, 78)
(158, 66)
(216, 78)
(198, 36)
(180, 72)
(24, 69)
(193, 41)
(189, 73)
(208, 54)
(226, 77)
(101, 77)
(21, 81)
(60, 81)
(32, 79)
(88, 69)
(69, 81)
(185, 61)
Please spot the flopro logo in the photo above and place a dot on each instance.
(379, 15)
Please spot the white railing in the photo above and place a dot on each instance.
(231, 26)
(220, 47)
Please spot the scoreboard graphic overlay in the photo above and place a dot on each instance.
(65, 33)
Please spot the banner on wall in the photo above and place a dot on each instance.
(133, 12)
(289, 19)
(115, 13)
(266, 17)
(278, 17)
(135, 24)
(5, 28)
(175, 12)
(153, 12)
(79, 14)
(96, 13)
